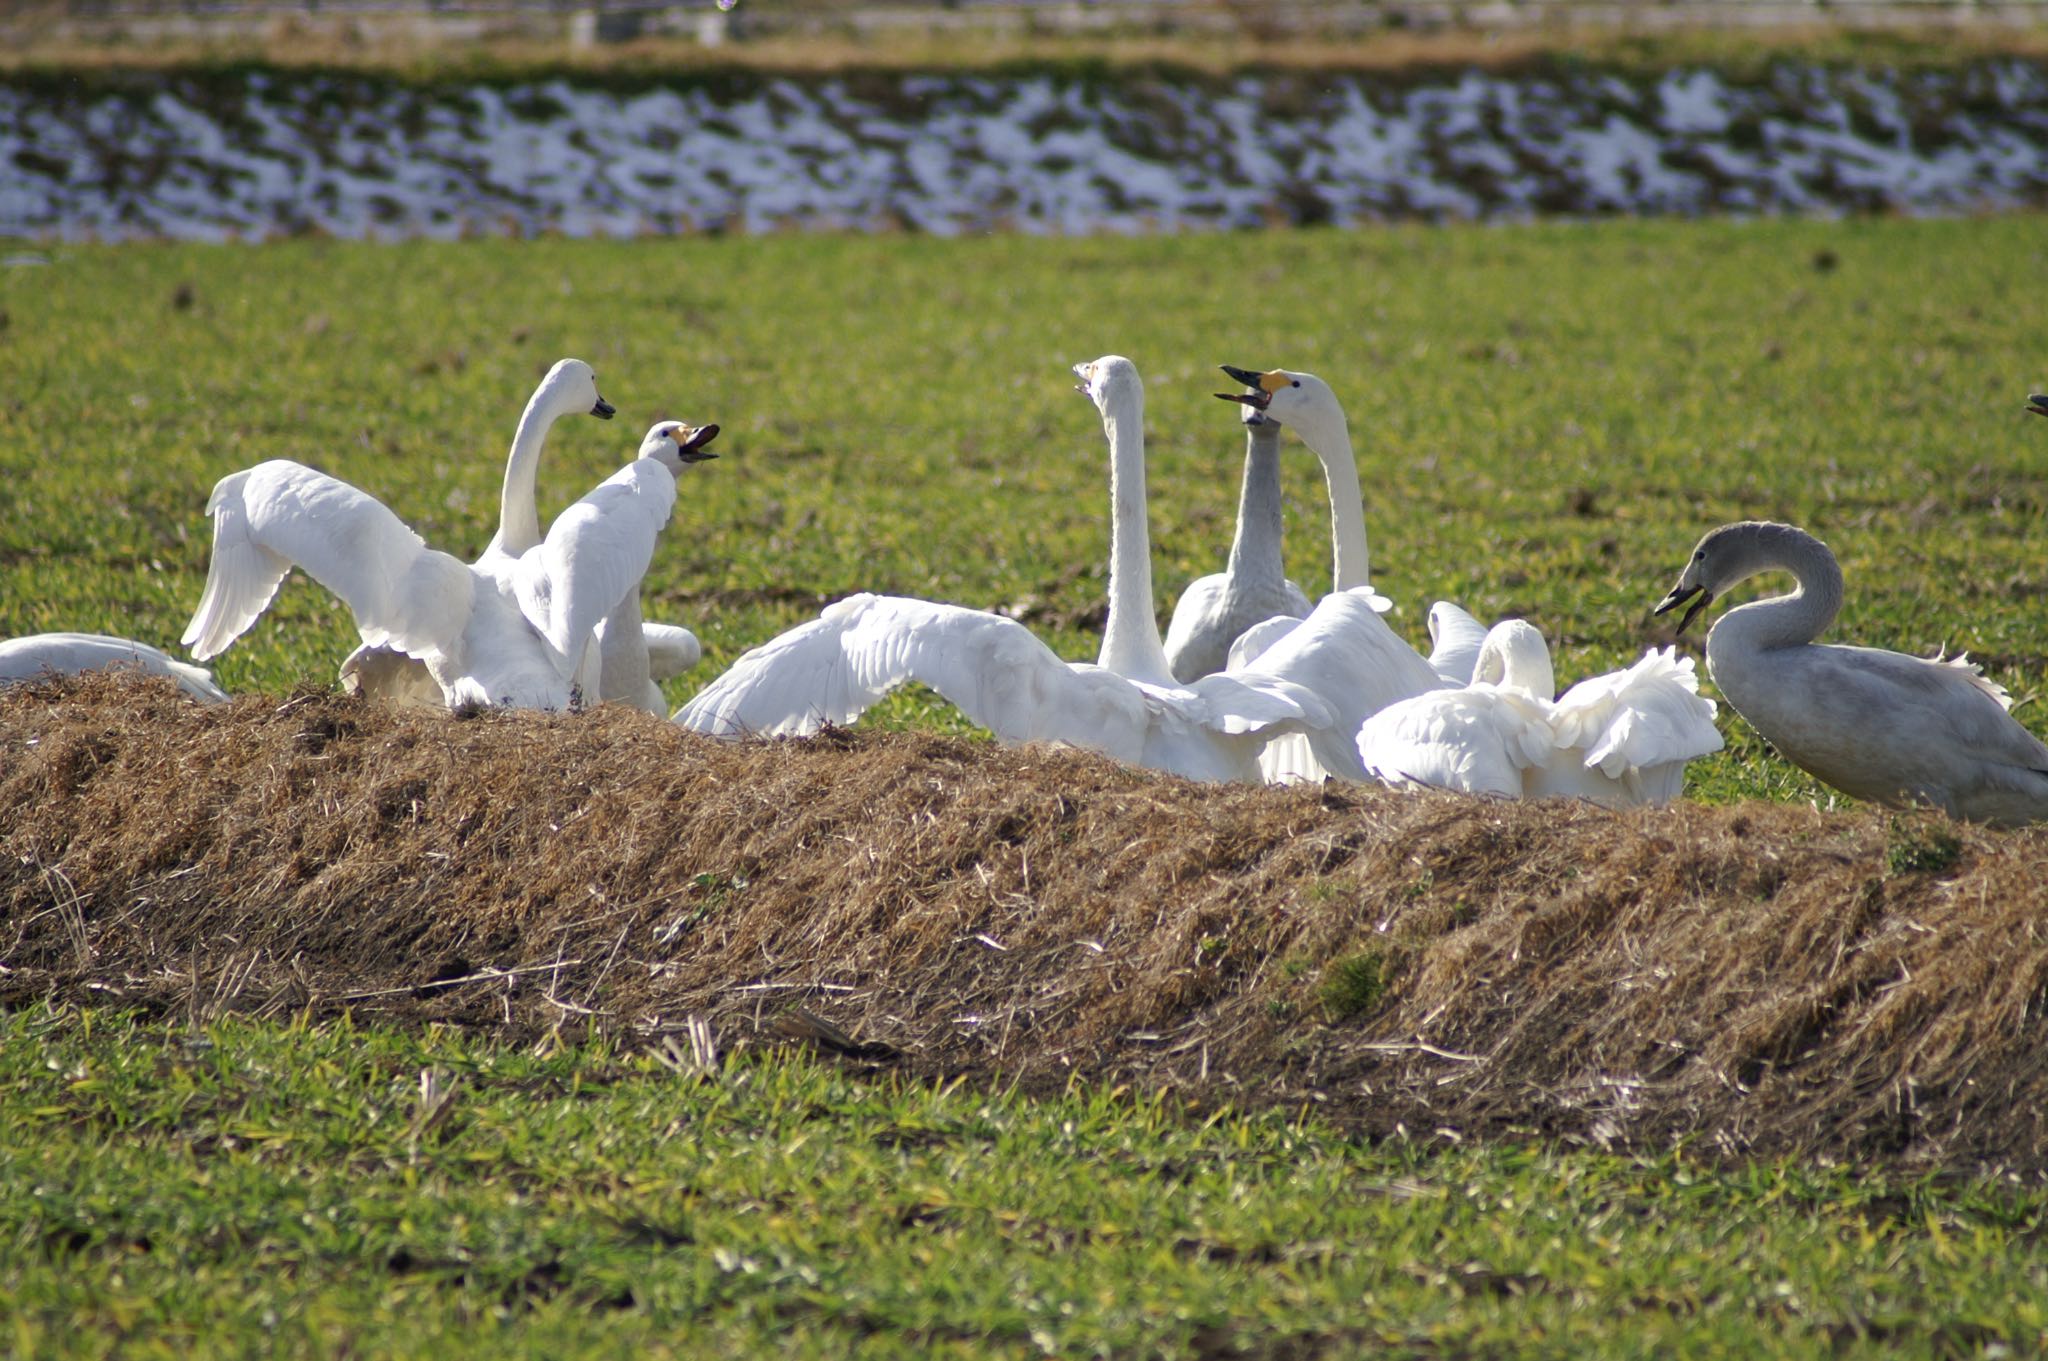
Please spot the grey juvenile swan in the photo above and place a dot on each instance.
(1878, 725)
(1215, 610)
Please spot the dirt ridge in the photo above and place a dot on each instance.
(1758, 979)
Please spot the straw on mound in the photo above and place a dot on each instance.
(1771, 978)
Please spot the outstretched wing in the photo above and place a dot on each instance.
(67, 654)
(595, 552)
(1455, 638)
(1346, 654)
(998, 674)
(279, 515)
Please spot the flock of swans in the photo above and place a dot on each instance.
(1253, 681)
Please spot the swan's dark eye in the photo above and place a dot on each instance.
(1295, 383)
(1700, 556)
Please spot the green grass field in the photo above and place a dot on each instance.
(181, 1191)
(1547, 418)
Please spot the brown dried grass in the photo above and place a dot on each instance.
(1759, 978)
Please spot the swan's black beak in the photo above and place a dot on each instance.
(1257, 398)
(604, 410)
(692, 449)
(1679, 595)
(2038, 404)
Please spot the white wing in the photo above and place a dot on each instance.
(1253, 642)
(671, 650)
(1644, 716)
(1455, 639)
(993, 669)
(1346, 654)
(279, 515)
(67, 654)
(1477, 740)
(595, 552)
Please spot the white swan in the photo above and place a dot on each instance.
(1001, 676)
(1215, 610)
(1345, 653)
(568, 388)
(1619, 740)
(67, 654)
(1878, 725)
(1482, 738)
(516, 632)
(627, 670)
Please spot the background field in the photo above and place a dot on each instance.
(1546, 417)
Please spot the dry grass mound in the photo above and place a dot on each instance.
(1762, 978)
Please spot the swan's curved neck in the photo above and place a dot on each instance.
(518, 514)
(1130, 638)
(1782, 620)
(1255, 552)
(1332, 445)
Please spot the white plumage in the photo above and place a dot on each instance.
(68, 654)
(1001, 676)
(628, 670)
(1619, 740)
(515, 632)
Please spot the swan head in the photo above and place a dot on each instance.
(1726, 556)
(1109, 382)
(675, 444)
(571, 386)
(1301, 400)
(1515, 657)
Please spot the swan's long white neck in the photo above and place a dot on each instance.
(1130, 638)
(1331, 443)
(1255, 552)
(1782, 620)
(518, 514)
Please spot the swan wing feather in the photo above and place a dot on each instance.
(1965, 711)
(994, 670)
(68, 654)
(1649, 714)
(278, 515)
(1347, 654)
(1473, 741)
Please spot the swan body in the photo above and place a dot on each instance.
(570, 387)
(1482, 738)
(1215, 610)
(514, 632)
(628, 670)
(1875, 724)
(1349, 655)
(999, 674)
(1618, 740)
(68, 654)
